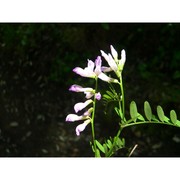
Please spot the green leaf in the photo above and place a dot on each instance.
(105, 149)
(133, 110)
(120, 142)
(100, 146)
(178, 123)
(147, 110)
(173, 116)
(160, 113)
(109, 143)
(98, 153)
(105, 96)
(154, 118)
(140, 117)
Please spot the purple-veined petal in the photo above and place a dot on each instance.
(90, 65)
(81, 105)
(74, 117)
(76, 88)
(82, 126)
(98, 96)
(84, 72)
(106, 69)
(98, 63)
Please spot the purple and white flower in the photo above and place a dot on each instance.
(93, 70)
(82, 126)
(81, 105)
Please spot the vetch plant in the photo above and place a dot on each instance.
(87, 108)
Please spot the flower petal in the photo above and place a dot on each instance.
(79, 106)
(106, 78)
(106, 69)
(112, 63)
(98, 63)
(84, 72)
(82, 126)
(74, 117)
(114, 53)
(76, 88)
(90, 65)
(89, 94)
(98, 96)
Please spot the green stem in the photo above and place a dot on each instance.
(92, 120)
(123, 99)
(115, 140)
(146, 122)
(123, 116)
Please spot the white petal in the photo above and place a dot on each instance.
(114, 52)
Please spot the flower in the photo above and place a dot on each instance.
(81, 105)
(82, 126)
(88, 91)
(86, 72)
(74, 117)
(115, 64)
(98, 96)
(93, 70)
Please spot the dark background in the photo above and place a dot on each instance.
(36, 62)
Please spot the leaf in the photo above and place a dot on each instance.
(160, 113)
(178, 123)
(105, 149)
(98, 153)
(100, 146)
(154, 118)
(173, 116)
(133, 110)
(109, 143)
(105, 96)
(147, 110)
(140, 117)
(120, 143)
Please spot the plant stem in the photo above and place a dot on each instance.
(146, 122)
(123, 116)
(123, 99)
(92, 120)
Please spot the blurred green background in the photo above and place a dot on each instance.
(36, 62)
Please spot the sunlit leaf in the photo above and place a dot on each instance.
(147, 110)
(160, 113)
(133, 110)
(173, 116)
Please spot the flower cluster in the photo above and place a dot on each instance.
(96, 71)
